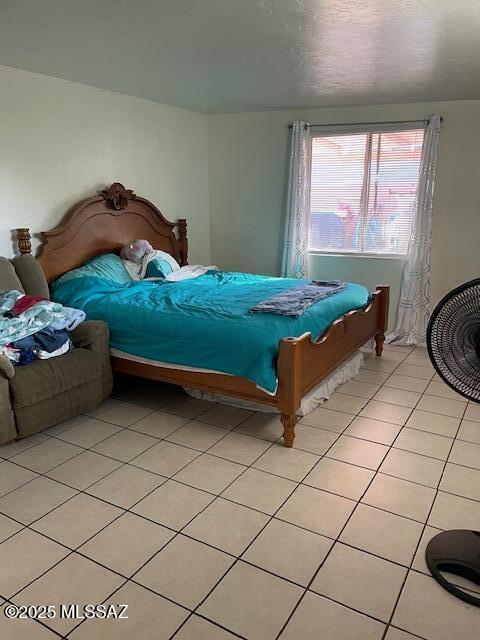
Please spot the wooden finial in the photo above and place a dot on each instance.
(23, 240)
(182, 241)
(116, 196)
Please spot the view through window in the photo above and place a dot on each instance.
(363, 191)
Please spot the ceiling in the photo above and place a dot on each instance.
(250, 55)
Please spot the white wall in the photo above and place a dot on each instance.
(247, 166)
(61, 141)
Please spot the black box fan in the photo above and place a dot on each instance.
(453, 341)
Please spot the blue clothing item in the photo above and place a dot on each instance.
(49, 340)
(296, 301)
(46, 340)
(158, 268)
(25, 350)
(204, 322)
(25, 343)
(26, 357)
(69, 320)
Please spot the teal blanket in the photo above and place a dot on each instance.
(204, 322)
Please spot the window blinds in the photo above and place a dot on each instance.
(363, 190)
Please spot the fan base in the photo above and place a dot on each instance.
(456, 552)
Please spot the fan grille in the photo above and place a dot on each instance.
(453, 339)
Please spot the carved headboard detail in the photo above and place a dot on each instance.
(103, 224)
(117, 197)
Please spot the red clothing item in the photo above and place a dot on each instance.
(24, 303)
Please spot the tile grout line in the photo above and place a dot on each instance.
(84, 450)
(410, 568)
(176, 532)
(389, 623)
(236, 558)
(130, 462)
(343, 528)
(180, 532)
(270, 518)
(73, 551)
(79, 491)
(216, 496)
(336, 540)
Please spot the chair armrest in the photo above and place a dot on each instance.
(93, 335)
(6, 367)
(8, 430)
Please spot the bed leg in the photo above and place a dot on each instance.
(289, 422)
(384, 291)
(379, 340)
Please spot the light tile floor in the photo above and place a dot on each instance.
(196, 516)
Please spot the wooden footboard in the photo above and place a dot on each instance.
(303, 363)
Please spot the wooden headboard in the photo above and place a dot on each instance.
(104, 224)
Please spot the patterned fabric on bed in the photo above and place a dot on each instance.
(296, 301)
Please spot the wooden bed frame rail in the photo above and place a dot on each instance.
(302, 363)
(309, 362)
(116, 216)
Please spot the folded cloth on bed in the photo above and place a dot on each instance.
(296, 301)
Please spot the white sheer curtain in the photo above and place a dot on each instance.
(295, 245)
(414, 304)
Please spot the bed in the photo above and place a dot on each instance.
(104, 223)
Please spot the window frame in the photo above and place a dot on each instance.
(320, 131)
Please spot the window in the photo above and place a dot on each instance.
(363, 191)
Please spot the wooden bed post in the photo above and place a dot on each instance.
(383, 319)
(182, 241)
(289, 386)
(23, 240)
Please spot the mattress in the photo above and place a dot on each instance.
(204, 323)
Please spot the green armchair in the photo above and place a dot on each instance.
(46, 392)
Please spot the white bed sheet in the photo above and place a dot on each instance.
(342, 374)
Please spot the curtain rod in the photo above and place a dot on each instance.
(360, 124)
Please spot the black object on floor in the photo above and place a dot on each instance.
(456, 552)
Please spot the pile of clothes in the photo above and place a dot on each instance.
(33, 327)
